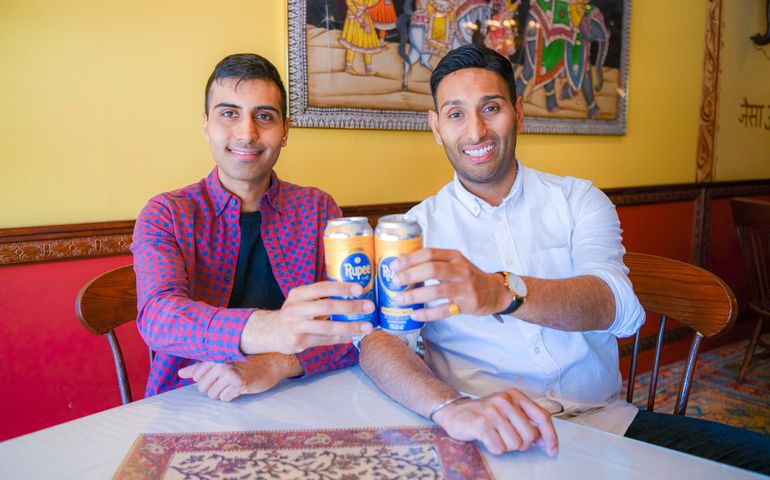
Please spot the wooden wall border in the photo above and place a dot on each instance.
(20, 246)
(710, 93)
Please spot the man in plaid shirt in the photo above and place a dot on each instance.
(229, 270)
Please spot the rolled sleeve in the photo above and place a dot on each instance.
(597, 250)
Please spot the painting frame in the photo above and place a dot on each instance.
(302, 114)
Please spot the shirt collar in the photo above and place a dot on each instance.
(475, 205)
(221, 196)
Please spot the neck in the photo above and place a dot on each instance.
(250, 192)
(493, 192)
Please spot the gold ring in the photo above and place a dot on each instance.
(454, 309)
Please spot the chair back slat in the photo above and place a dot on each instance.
(752, 218)
(632, 369)
(687, 374)
(683, 292)
(656, 365)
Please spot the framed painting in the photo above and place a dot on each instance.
(367, 63)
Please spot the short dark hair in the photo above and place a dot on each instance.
(245, 67)
(473, 55)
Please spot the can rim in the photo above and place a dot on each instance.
(348, 220)
(396, 219)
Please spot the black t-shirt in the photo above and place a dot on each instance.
(254, 285)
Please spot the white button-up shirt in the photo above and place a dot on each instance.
(547, 227)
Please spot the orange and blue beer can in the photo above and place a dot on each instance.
(349, 250)
(394, 236)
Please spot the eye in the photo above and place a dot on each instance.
(455, 115)
(229, 113)
(490, 108)
(264, 117)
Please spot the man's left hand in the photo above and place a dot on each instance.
(227, 381)
(460, 282)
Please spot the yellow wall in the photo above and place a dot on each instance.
(100, 108)
(743, 148)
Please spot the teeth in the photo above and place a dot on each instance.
(479, 152)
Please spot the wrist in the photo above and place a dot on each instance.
(441, 410)
(284, 365)
(504, 295)
(254, 334)
(517, 290)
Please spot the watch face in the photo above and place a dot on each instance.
(517, 285)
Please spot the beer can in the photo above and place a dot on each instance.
(349, 250)
(395, 235)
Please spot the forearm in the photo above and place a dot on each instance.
(401, 374)
(173, 324)
(571, 304)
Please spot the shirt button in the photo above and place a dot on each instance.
(509, 261)
(537, 349)
(498, 218)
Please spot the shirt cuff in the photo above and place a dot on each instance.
(223, 334)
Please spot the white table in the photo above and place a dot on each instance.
(94, 446)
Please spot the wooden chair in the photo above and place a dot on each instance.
(105, 303)
(752, 217)
(685, 293)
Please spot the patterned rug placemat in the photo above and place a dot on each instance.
(393, 453)
(715, 394)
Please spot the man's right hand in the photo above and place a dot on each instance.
(302, 322)
(503, 422)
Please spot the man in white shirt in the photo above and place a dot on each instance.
(525, 286)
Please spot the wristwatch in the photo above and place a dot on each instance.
(518, 289)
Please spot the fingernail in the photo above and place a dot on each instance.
(395, 265)
(366, 328)
(416, 316)
(356, 290)
(368, 307)
(396, 282)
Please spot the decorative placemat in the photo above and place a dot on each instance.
(383, 453)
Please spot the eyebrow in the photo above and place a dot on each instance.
(484, 99)
(238, 107)
(487, 98)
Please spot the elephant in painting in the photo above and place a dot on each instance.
(564, 50)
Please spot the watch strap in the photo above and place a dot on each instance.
(517, 300)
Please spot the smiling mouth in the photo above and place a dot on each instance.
(479, 153)
(245, 154)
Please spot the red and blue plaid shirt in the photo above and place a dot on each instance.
(185, 248)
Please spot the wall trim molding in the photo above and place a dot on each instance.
(20, 246)
(705, 157)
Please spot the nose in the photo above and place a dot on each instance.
(477, 127)
(247, 130)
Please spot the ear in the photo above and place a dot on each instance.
(519, 115)
(286, 123)
(433, 122)
(206, 127)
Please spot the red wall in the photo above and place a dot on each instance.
(53, 370)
